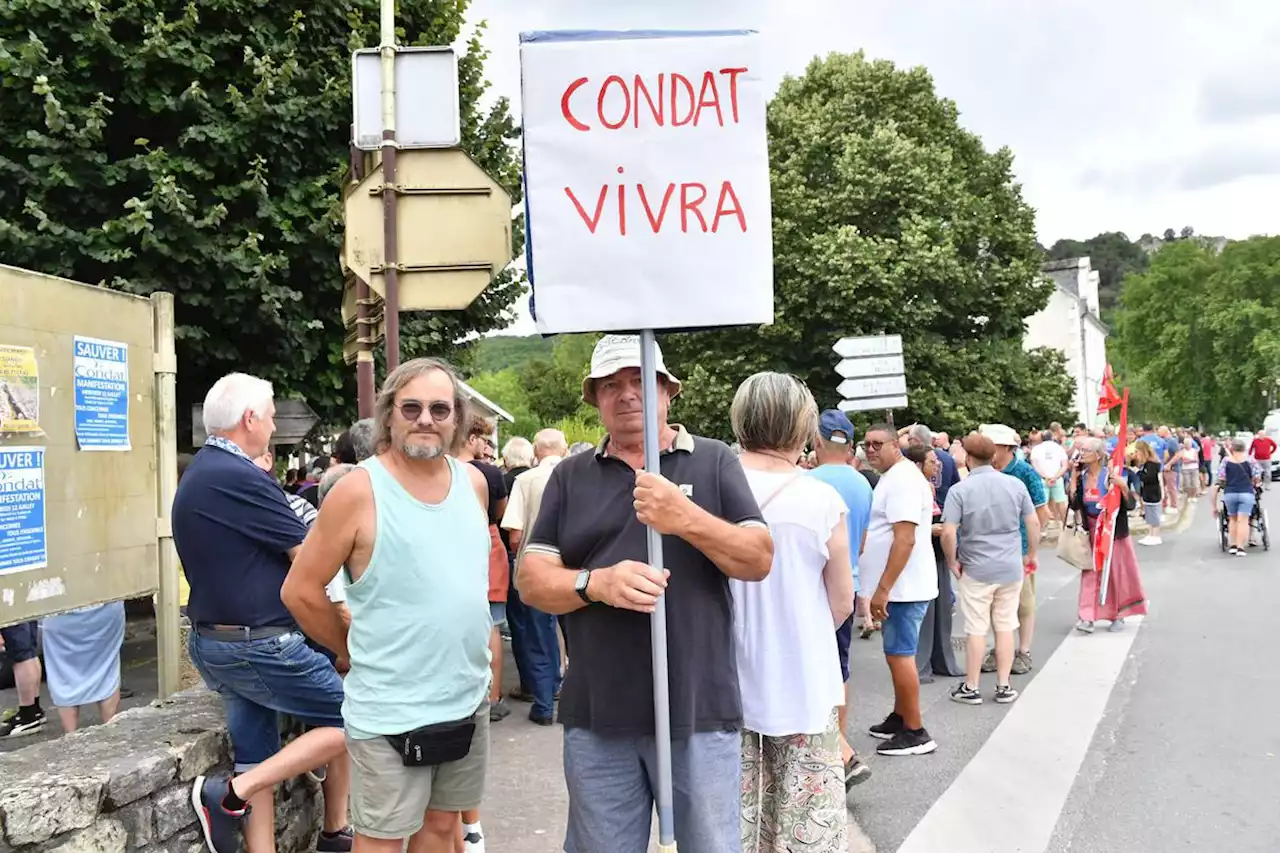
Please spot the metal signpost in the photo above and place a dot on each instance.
(610, 270)
(874, 374)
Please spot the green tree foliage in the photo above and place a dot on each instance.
(542, 391)
(1200, 331)
(200, 148)
(888, 217)
(1112, 255)
(498, 352)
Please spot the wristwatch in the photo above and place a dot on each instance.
(580, 585)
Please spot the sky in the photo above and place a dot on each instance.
(1127, 115)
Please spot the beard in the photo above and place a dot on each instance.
(422, 451)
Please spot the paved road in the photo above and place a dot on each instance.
(1155, 739)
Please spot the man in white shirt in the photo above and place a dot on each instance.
(897, 563)
(539, 655)
(1049, 458)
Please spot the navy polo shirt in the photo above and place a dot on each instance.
(233, 528)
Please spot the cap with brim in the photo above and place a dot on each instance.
(835, 426)
(614, 353)
(1000, 435)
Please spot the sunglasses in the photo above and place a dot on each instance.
(412, 410)
(874, 445)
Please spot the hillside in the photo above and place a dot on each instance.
(497, 353)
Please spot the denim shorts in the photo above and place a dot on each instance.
(902, 629)
(1239, 503)
(260, 679)
(20, 642)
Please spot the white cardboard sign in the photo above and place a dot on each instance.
(646, 180)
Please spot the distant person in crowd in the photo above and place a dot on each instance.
(236, 538)
(1005, 440)
(1150, 489)
(580, 447)
(20, 644)
(82, 660)
(409, 529)
(1208, 446)
(290, 478)
(1168, 459)
(942, 441)
(476, 446)
(983, 548)
(935, 655)
(788, 668)
(1262, 450)
(310, 489)
(300, 505)
(534, 642)
(1238, 480)
(1188, 461)
(1050, 461)
(1124, 589)
(835, 456)
(897, 564)
(865, 468)
(517, 457)
(587, 557)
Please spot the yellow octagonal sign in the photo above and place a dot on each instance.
(454, 227)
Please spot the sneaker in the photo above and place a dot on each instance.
(1084, 627)
(13, 725)
(855, 772)
(318, 775)
(541, 721)
(965, 694)
(1021, 663)
(1241, 552)
(498, 711)
(908, 742)
(891, 726)
(1117, 625)
(989, 662)
(473, 840)
(1147, 540)
(221, 828)
(1156, 540)
(1005, 694)
(1233, 550)
(338, 842)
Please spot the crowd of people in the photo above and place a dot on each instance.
(365, 597)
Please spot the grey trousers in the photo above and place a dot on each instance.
(935, 655)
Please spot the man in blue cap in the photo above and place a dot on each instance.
(835, 467)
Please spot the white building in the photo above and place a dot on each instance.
(1070, 324)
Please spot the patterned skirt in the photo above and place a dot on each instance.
(793, 793)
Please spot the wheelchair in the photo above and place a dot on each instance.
(1257, 524)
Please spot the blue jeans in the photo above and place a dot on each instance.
(260, 679)
(901, 630)
(1239, 503)
(611, 782)
(536, 648)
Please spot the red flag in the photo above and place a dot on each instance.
(1108, 398)
(1104, 534)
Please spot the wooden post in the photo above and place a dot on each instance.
(168, 630)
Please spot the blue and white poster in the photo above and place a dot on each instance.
(102, 394)
(22, 528)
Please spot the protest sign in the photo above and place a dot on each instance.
(101, 394)
(646, 180)
(22, 521)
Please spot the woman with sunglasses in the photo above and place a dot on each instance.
(1090, 483)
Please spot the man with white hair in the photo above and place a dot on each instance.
(538, 652)
(236, 537)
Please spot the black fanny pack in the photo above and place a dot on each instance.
(430, 746)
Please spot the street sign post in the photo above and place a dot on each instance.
(647, 207)
(294, 421)
(423, 75)
(874, 374)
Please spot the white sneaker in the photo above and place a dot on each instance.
(1146, 540)
(1155, 540)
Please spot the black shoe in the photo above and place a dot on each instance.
(221, 828)
(965, 694)
(542, 721)
(19, 725)
(498, 711)
(855, 772)
(338, 842)
(908, 742)
(889, 728)
(1005, 694)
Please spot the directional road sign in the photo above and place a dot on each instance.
(884, 386)
(883, 365)
(868, 346)
(874, 373)
(867, 404)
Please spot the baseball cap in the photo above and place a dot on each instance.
(834, 425)
(1000, 435)
(618, 352)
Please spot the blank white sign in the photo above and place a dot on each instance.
(426, 98)
(868, 404)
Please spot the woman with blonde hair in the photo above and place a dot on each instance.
(1152, 494)
(793, 785)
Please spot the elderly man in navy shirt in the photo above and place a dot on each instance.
(236, 537)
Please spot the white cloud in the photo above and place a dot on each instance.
(1136, 116)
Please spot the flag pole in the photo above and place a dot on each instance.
(1122, 434)
(658, 621)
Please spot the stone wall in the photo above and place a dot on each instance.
(126, 786)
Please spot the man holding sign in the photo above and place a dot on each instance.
(586, 558)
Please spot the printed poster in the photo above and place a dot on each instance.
(22, 522)
(19, 390)
(101, 394)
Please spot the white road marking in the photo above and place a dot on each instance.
(1010, 795)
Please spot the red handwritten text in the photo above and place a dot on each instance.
(670, 100)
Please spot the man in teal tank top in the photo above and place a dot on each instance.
(409, 528)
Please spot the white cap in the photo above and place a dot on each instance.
(618, 352)
(1000, 435)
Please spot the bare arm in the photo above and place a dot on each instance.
(515, 537)
(1033, 533)
(950, 543)
(547, 584)
(837, 575)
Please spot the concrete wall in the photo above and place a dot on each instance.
(127, 785)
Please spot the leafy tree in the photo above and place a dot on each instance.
(498, 352)
(1112, 255)
(888, 217)
(200, 148)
